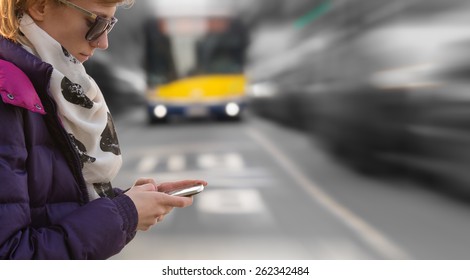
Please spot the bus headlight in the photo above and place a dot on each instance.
(232, 109)
(160, 111)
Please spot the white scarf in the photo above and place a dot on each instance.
(82, 110)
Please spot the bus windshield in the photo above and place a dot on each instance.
(177, 48)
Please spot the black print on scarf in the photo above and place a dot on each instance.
(104, 189)
(74, 93)
(81, 149)
(69, 56)
(109, 141)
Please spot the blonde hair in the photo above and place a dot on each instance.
(10, 11)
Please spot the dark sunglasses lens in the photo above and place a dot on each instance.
(100, 26)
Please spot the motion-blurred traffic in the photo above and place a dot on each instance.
(383, 84)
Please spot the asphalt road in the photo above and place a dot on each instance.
(273, 193)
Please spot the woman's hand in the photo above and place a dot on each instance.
(153, 203)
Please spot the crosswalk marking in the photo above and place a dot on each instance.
(234, 161)
(229, 201)
(227, 160)
(227, 170)
(176, 163)
(147, 164)
(207, 161)
(180, 162)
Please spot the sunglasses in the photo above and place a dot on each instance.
(100, 24)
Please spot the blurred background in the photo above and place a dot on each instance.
(327, 129)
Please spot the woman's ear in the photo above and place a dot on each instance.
(37, 10)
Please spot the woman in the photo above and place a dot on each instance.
(58, 147)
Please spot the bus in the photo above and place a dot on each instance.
(195, 67)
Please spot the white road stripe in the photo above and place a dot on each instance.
(231, 201)
(230, 161)
(366, 232)
(147, 164)
(176, 163)
(207, 161)
(234, 161)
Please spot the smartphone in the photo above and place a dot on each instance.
(188, 191)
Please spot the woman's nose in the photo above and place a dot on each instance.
(101, 42)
